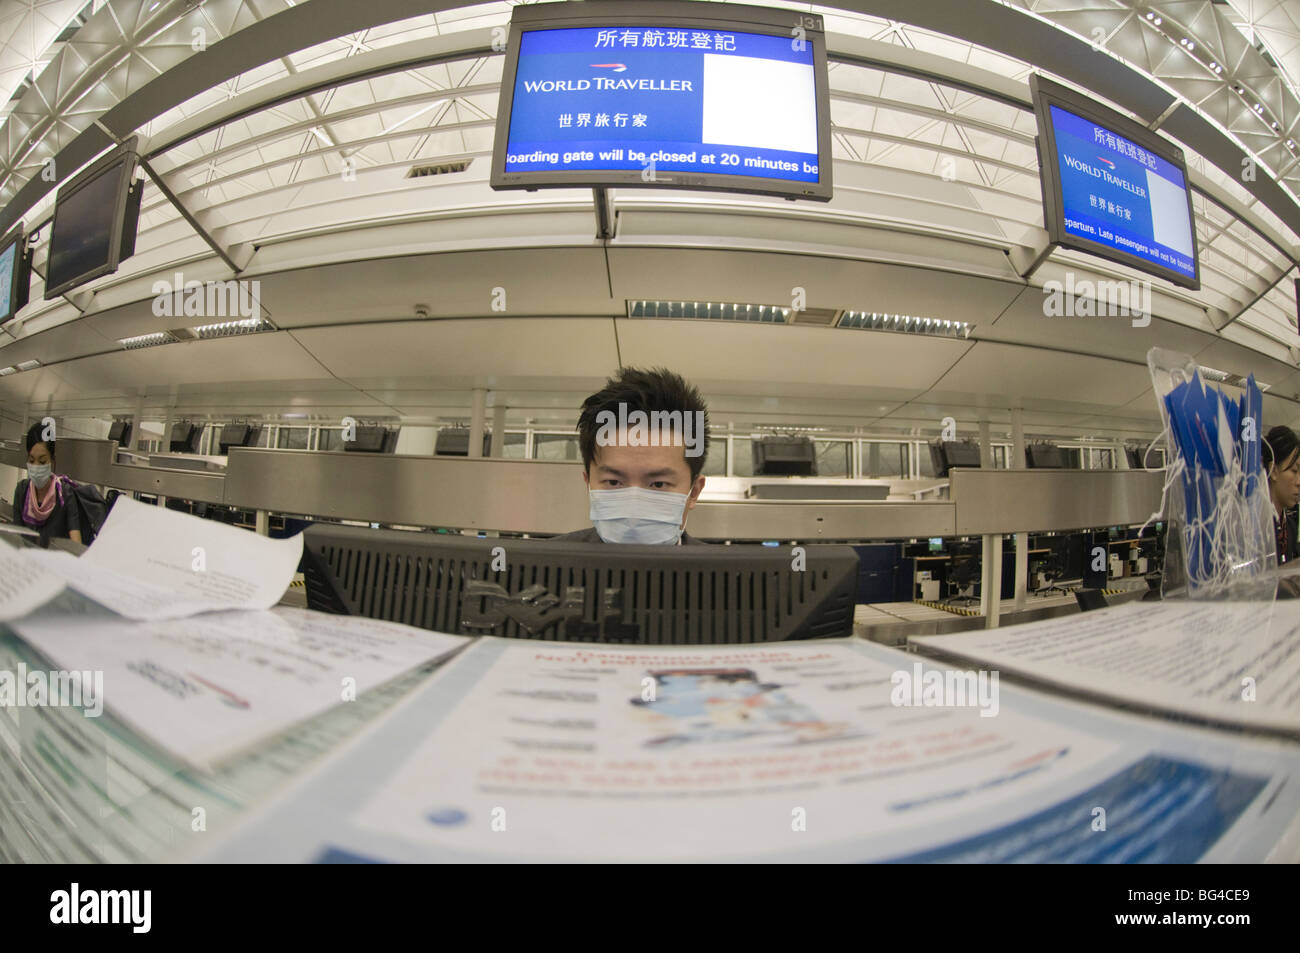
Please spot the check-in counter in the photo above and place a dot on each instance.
(547, 497)
(538, 497)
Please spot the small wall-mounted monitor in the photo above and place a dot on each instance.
(936, 544)
(372, 440)
(95, 220)
(784, 456)
(233, 435)
(1044, 456)
(120, 430)
(454, 442)
(664, 94)
(1112, 187)
(183, 437)
(15, 273)
(947, 454)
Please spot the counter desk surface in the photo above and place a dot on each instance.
(78, 789)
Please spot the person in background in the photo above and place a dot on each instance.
(1281, 456)
(641, 493)
(44, 501)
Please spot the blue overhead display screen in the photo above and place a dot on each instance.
(1117, 194)
(649, 99)
(8, 262)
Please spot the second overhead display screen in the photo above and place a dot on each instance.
(1117, 193)
(652, 100)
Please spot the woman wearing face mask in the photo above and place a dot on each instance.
(44, 500)
(1281, 457)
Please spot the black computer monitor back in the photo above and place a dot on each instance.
(233, 435)
(961, 453)
(1044, 456)
(582, 592)
(784, 456)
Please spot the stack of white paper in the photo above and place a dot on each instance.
(208, 687)
(796, 752)
(1235, 663)
(149, 562)
(193, 659)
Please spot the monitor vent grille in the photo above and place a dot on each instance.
(617, 605)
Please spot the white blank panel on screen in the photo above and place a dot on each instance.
(7, 276)
(1169, 224)
(765, 104)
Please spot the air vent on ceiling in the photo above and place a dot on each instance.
(821, 317)
(442, 168)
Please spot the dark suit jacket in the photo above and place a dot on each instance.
(589, 535)
(63, 519)
(1292, 517)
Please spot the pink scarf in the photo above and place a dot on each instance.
(35, 513)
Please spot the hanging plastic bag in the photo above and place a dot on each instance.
(1219, 541)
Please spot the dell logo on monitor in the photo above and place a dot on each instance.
(487, 606)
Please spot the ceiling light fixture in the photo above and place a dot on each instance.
(146, 340)
(226, 329)
(710, 311)
(904, 324)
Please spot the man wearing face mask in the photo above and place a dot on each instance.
(44, 501)
(644, 439)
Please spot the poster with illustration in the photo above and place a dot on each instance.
(711, 705)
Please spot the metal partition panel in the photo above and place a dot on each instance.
(1010, 501)
(86, 461)
(181, 484)
(544, 497)
(521, 496)
(811, 522)
(92, 461)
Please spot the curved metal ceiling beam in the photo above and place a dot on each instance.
(248, 44)
(985, 23)
(854, 51)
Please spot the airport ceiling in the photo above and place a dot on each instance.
(289, 133)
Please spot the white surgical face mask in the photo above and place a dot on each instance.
(634, 515)
(39, 474)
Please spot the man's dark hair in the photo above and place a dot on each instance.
(35, 435)
(658, 389)
(1279, 444)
